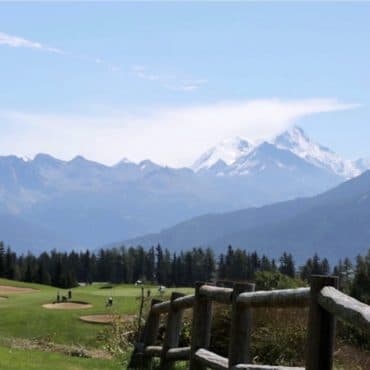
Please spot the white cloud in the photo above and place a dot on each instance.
(174, 136)
(19, 42)
(170, 82)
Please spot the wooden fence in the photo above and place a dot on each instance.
(325, 304)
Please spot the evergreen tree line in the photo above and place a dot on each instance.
(157, 265)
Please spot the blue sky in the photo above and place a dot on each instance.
(167, 80)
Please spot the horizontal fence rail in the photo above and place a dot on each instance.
(346, 308)
(325, 303)
(276, 298)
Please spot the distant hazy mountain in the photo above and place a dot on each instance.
(363, 164)
(29, 236)
(334, 224)
(298, 143)
(226, 152)
(81, 203)
(234, 151)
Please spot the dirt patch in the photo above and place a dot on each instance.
(67, 306)
(106, 319)
(5, 289)
(2, 298)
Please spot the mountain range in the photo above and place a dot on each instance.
(334, 224)
(50, 203)
(240, 156)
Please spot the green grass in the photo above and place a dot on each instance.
(34, 360)
(23, 317)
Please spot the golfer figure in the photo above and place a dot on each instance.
(110, 302)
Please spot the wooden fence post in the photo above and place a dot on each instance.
(201, 327)
(150, 334)
(240, 330)
(321, 327)
(172, 334)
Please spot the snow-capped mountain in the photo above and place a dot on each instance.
(268, 157)
(296, 141)
(227, 152)
(48, 200)
(239, 157)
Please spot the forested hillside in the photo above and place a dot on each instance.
(334, 223)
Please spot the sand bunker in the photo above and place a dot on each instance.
(67, 306)
(106, 319)
(3, 298)
(5, 289)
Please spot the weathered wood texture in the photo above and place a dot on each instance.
(150, 334)
(201, 327)
(264, 367)
(178, 354)
(216, 294)
(162, 307)
(346, 308)
(211, 360)
(325, 301)
(240, 328)
(321, 327)
(153, 351)
(172, 334)
(174, 354)
(276, 298)
(183, 302)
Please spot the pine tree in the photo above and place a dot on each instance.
(2, 259)
(10, 264)
(159, 267)
(361, 282)
(287, 266)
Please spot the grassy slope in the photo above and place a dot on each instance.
(22, 316)
(34, 360)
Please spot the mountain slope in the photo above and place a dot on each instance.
(230, 152)
(27, 236)
(296, 141)
(227, 152)
(93, 204)
(334, 224)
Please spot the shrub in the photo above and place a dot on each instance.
(270, 280)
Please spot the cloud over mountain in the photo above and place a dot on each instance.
(94, 204)
(171, 136)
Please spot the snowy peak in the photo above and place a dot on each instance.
(238, 157)
(227, 152)
(296, 141)
(269, 158)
